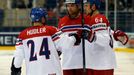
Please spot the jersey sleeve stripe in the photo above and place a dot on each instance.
(18, 42)
(75, 27)
(56, 38)
(56, 35)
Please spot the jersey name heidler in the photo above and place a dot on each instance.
(36, 31)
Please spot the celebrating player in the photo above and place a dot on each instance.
(101, 54)
(72, 62)
(35, 45)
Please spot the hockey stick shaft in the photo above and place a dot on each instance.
(83, 40)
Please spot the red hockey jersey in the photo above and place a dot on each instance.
(99, 22)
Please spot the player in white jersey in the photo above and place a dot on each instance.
(72, 60)
(101, 54)
(36, 45)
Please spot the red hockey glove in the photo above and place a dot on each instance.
(120, 36)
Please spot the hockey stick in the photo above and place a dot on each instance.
(83, 40)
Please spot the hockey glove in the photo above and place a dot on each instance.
(77, 37)
(59, 53)
(89, 35)
(14, 70)
(120, 36)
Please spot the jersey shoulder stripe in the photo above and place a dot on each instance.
(75, 27)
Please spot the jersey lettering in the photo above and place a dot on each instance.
(32, 56)
(98, 20)
(44, 50)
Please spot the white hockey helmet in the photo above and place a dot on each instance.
(72, 1)
(85, 1)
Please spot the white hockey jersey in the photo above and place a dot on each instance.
(35, 45)
(72, 57)
(101, 55)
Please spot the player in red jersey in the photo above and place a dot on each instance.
(91, 11)
(102, 57)
(72, 23)
(35, 44)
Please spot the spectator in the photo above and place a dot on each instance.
(61, 8)
(30, 4)
(103, 5)
(1, 16)
(50, 4)
(129, 5)
(18, 4)
(111, 5)
(121, 4)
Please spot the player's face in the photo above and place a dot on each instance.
(87, 8)
(72, 9)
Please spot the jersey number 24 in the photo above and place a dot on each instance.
(44, 49)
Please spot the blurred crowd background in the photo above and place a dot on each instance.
(14, 14)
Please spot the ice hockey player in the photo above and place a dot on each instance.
(35, 44)
(101, 54)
